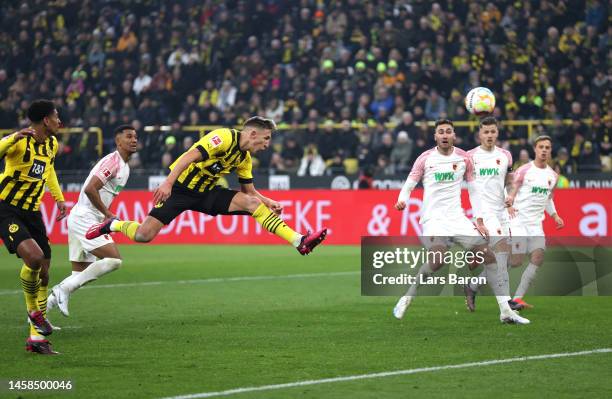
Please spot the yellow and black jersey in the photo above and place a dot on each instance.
(221, 155)
(28, 168)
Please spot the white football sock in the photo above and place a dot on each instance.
(425, 270)
(475, 286)
(528, 276)
(92, 272)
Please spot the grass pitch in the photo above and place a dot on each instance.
(212, 318)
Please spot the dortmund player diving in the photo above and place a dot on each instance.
(192, 185)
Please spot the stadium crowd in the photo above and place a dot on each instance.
(326, 65)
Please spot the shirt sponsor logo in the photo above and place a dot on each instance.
(38, 169)
(539, 190)
(489, 172)
(444, 176)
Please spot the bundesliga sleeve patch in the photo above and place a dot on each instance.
(215, 141)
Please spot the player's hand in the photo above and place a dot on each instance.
(275, 207)
(162, 193)
(509, 201)
(512, 212)
(27, 132)
(400, 205)
(560, 223)
(110, 215)
(482, 229)
(61, 205)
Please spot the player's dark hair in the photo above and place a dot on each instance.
(40, 109)
(443, 122)
(542, 138)
(487, 121)
(261, 123)
(119, 129)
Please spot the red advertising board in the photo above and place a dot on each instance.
(347, 214)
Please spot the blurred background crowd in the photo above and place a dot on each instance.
(351, 82)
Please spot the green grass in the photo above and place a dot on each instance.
(148, 341)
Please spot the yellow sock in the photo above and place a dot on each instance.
(42, 299)
(34, 333)
(128, 228)
(30, 284)
(274, 224)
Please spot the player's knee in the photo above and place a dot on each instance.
(537, 259)
(515, 260)
(252, 203)
(114, 263)
(144, 235)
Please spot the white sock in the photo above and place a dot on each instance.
(74, 273)
(528, 276)
(495, 282)
(113, 225)
(297, 240)
(92, 272)
(475, 286)
(425, 270)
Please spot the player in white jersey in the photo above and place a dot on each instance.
(492, 174)
(105, 181)
(531, 195)
(443, 170)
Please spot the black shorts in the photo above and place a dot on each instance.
(214, 202)
(17, 225)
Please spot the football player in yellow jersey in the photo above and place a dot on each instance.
(192, 185)
(29, 156)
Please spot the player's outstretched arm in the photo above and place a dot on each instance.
(274, 206)
(162, 192)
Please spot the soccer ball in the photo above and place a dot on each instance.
(480, 101)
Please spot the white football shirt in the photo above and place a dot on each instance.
(535, 190)
(490, 170)
(114, 172)
(442, 178)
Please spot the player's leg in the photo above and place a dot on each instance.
(468, 237)
(241, 202)
(19, 240)
(436, 245)
(499, 242)
(536, 259)
(108, 261)
(434, 263)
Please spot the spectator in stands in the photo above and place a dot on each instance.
(589, 161)
(522, 159)
(543, 60)
(566, 165)
(312, 163)
(401, 153)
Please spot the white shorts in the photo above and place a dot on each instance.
(79, 247)
(452, 230)
(526, 238)
(498, 226)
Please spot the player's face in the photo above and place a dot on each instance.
(488, 135)
(445, 136)
(127, 141)
(260, 139)
(543, 150)
(52, 122)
